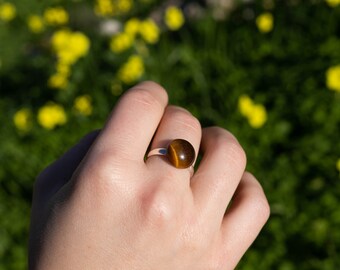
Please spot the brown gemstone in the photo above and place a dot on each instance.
(181, 153)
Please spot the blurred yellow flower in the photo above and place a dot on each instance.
(333, 78)
(245, 105)
(112, 7)
(149, 31)
(7, 11)
(56, 16)
(132, 70)
(35, 23)
(265, 22)
(66, 57)
(338, 164)
(124, 6)
(51, 115)
(58, 80)
(121, 42)
(70, 46)
(104, 8)
(79, 44)
(255, 113)
(174, 18)
(83, 105)
(59, 39)
(333, 3)
(23, 119)
(63, 69)
(258, 116)
(131, 27)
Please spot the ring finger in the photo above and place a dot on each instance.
(176, 123)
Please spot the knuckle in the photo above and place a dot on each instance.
(238, 153)
(184, 119)
(259, 203)
(142, 96)
(102, 172)
(157, 210)
(230, 147)
(261, 208)
(103, 166)
(151, 84)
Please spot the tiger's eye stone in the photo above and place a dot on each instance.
(181, 153)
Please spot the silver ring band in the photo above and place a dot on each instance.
(180, 153)
(158, 152)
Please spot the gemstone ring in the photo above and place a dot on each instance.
(180, 153)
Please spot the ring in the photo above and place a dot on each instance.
(181, 153)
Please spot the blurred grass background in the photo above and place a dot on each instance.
(268, 71)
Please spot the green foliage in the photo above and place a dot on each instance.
(205, 66)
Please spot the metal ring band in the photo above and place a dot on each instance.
(180, 153)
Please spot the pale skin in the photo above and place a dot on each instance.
(102, 206)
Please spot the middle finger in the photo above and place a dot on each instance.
(219, 173)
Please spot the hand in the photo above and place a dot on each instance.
(101, 206)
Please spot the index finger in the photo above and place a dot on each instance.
(134, 120)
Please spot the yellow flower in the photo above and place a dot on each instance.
(338, 165)
(112, 7)
(70, 46)
(245, 105)
(79, 44)
(22, 119)
(333, 78)
(174, 18)
(51, 115)
(66, 57)
(7, 12)
(258, 116)
(265, 22)
(56, 16)
(124, 6)
(82, 104)
(121, 42)
(333, 3)
(131, 27)
(63, 69)
(60, 39)
(255, 113)
(104, 8)
(132, 70)
(58, 80)
(35, 24)
(149, 31)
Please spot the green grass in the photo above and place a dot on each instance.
(205, 66)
